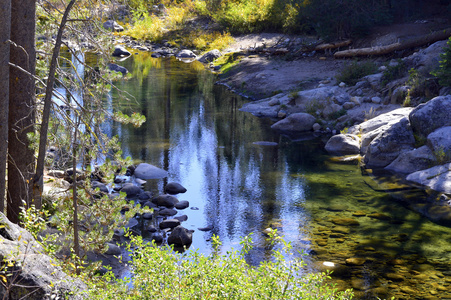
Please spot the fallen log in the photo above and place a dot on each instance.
(411, 43)
(333, 45)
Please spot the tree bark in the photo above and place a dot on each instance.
(21, 106)
(38, 184)
(412, 43)
(5, 29)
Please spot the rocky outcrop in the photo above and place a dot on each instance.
(412, 161)
(437, 178)
(389, 144)
(35, 275)
(427, 117)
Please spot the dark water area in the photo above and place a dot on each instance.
(242, 177)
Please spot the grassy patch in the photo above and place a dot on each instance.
(352, 73)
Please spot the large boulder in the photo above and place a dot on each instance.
(388, 145)
(314, 97)
(38, 276)
(426, 60)
(147, 171)
(131, 190)
(437, 178)
(186, 54)
(412, 161)
(180, 237)
(210, 56)
(343, 144)
(384, 119)
(297, 122)
(427, 117)
(440, 143)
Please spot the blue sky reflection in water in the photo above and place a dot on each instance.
(207, 145)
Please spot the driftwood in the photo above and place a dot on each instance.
(333, 45)
(411, 43)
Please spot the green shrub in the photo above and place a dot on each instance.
(160, 273)
(394, 72)
(352, 73)
(444, 71)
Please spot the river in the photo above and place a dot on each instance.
(241, 178)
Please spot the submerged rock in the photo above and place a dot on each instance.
(147, 171)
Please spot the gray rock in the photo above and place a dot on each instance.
(184, 54)
(388, 145)
(295, 122)
(170, 223)
(120, 51)
(182, 204)
(98, 185)
(322, 95)
(133, 224)
(427, 117)
(165, 200)
(331, 109)
(343, 144)
(157, 238)
(349, 105)
(440, 143)
(174, 188)
(130, 189)
(113, 26)
(147, 216)
(374, 80)
(117, 68)
(146, 171)
(412, 161)
(113, 249)
(167, 212)
(437, 178)
(399, 94)
(181, 237)
(426, 60)
(210, 56)
(146, 195)
(38, 275)
(207, 228)
(384, 119)
(182, 218)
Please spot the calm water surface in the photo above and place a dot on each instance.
(239, 185)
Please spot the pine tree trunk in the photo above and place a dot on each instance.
(21, 106)
(5, 29)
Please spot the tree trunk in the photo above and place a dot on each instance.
(38, 184)
(5, 29)
(21, 106)
(412, 43)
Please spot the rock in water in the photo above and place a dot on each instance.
(165, 200)
(120, 51)
(147, 171)
(174, 188)
(181, 237)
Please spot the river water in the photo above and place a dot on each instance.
(241, 178)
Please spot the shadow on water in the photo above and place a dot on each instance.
(242, 177)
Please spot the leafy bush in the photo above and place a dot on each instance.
(394, 71)
(352, 73)
(444, 71)
(160, 273)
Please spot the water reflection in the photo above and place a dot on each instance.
(195, 131)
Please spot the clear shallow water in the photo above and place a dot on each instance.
(195, 131)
